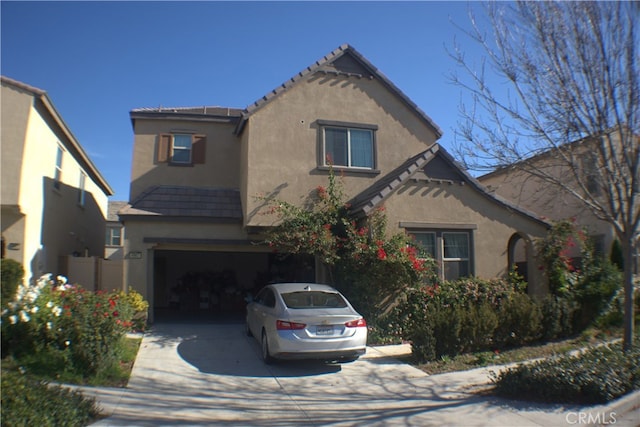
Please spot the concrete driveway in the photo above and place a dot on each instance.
(211, 374)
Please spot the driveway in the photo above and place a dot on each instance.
(211, 374)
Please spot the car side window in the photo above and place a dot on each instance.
(265, 297)
(269, 299)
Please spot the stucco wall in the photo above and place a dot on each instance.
(220, 169)
(534, 195)
(283, 143)
(54, 222)
(461, 205)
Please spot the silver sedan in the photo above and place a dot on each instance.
(305, 321)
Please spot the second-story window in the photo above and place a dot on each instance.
(181, 149)
(58, 172)
(81, 189)
(348, 145)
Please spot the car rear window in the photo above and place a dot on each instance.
(313, 299)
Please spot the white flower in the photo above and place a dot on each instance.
(35, 309)
(57, 311)
(67, 343)
(24, 317)
(13, 319)
(50, 304)
(49, 325)
(61, 280)
(32, 295)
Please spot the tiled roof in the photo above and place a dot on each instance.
(221, 204)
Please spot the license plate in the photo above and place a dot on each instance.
(324, 330)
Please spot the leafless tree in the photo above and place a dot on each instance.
(573, 76)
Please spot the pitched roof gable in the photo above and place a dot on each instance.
(73, 145)
(345, 60)
(434, 164)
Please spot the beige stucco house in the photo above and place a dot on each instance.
(200, 178)
(54, 199)
(578, 167)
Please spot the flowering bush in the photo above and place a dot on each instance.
(554, 250)
(370, 267)
(66, 322)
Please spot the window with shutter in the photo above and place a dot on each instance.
(181, 149)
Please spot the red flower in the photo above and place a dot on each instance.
(322, 192)
(116, 314)
(382, 255)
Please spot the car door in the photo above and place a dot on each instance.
(257, 311)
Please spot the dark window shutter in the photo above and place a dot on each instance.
(198, 148)
(164, 145)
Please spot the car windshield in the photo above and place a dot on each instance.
(313, 299)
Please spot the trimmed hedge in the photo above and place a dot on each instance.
(596, 376)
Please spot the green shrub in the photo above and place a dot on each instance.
(27, 402)
(66, 325)
(12, 275)
(557, 317)
(478, 327)
(616, 257)
(594, 291)
(139, 306)
(519, 321)
(597, 376)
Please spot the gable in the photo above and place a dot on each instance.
(434, 164)
(347, 64)
(345, 60)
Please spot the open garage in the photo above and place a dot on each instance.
(211, 285)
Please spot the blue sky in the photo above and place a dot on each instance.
(100, 60)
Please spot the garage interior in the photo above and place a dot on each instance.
(209, 285)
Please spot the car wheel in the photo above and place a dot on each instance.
(266, 356)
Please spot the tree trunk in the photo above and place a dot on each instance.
(627, 247)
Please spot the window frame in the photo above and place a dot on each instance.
(166, 147)
(110, 235)
(57, 176)
(348, 127)
(189, 150)
(439, 256)
(82, 193)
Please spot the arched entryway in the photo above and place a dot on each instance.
(520, 255)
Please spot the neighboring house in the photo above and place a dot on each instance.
(54, 199)
(114, 236)
(526, 190)
(201, 177)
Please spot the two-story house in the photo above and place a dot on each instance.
(54, 199)
(577, 168)
(200, 178)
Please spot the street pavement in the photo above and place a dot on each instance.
(212, 375)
